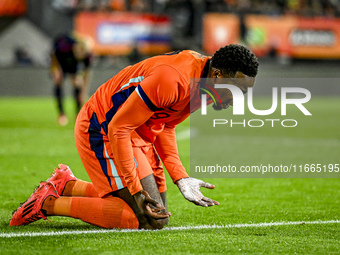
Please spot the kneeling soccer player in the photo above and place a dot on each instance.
(124, 132)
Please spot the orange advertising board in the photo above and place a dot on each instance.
(13, 7)
(316, 38)
(119, 33)
(218, 30)
(292, 36)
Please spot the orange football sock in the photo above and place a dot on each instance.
(79, 188)
(110, 212)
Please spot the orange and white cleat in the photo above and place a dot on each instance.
(31, 210)
(60, 176)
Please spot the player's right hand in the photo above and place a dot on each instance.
(190, 189)
(149, 206)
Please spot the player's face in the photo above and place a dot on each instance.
(240, 80)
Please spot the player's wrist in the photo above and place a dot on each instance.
(140, 195)
(179, 181)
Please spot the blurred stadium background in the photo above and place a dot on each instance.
(292, 38)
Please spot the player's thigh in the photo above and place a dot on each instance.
(95, 152)
(91, 148)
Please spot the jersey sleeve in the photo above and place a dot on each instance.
(166, 148)
(131, 115)
(161, 88)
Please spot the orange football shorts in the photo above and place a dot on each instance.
(96, 155)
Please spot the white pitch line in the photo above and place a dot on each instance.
(103, 231)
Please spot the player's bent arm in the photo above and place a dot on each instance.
(166, 147)
(167, 150)
(131, 115)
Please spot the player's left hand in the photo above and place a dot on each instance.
(149, 206)
(190, 189)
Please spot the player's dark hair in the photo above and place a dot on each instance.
(233, 58)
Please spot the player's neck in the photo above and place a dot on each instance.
(206, 69)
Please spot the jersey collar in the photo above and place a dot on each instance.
(206, 69)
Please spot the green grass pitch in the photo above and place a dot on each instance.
(31, 146)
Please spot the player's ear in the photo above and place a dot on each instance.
(217, 73)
